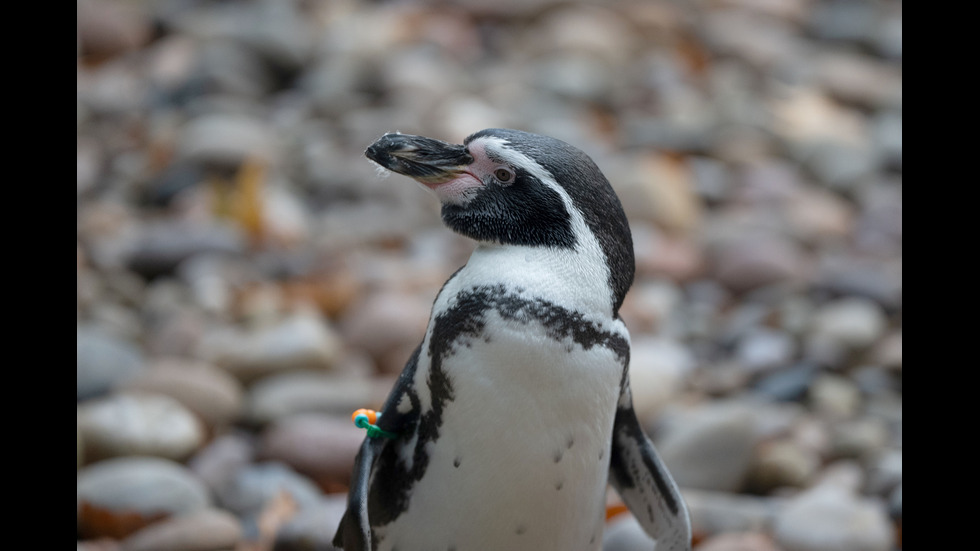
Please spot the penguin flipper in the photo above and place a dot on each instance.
(642, 480)
(354, 532)
(398, 416)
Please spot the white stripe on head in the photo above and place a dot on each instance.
(492, 146)
(589, 266)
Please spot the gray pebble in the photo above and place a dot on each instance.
(202, 530)
(658, 368)
(320, 447)
(782, 464)
(835, 396)
(852, 322)
(211, 393)
(844, 20)
(895, 504)
(282, 395)
(142, 485)
(103, 360)
(253, 486)
(626, 534)
(712, 448)
(313, 528)
(138, 424)
(226, 140)
(722, 512)
(790, 384)
(218, 463)
(751, 261)
(830, 518)
(162, 246)
(303, 340)
(860, 439)
(764, 350)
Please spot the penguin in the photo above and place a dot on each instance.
(514, 414)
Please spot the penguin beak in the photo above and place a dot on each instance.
(431, 162)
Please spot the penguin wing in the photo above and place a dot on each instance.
(642, 480)
(399, 416)
(354, 532)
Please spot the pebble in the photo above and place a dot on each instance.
(662, 190)
(138, 424)
(202, 530)
(782, 464)
(404, 318)
(765, 349)
(313, 527)
(862, 278)
(860, 79)
(807, 118)
(844, 20)
(103, 361)
(653, 306)
(279, 396)
(625, 534)
(748, 262)
(660, 255)
(162, 246)
(712, 448)
(89, 159)
(818, 215)
(226, 140)
(253, 486)
(745, 541)
(320, 447)
(789, 384)
(117, 497)
(657, 371)
(108, 28)
(835, 397)
(830, 518)
(887, 134)
(218, 462)
(762, 42)
(859, 439)
(874, 380)
(302, 340)
(210, 393)
(895, 504)
(852, 322)
(880, 229)
(885, 472)
(722, 512)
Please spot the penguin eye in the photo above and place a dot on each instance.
(503, 175)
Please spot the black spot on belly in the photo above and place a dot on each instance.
(559, 485)
(457, 462)
(521, 529)
(570, 442)
(558, 455)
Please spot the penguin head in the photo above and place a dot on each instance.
(510, 187)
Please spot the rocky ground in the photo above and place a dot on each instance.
(245, 279)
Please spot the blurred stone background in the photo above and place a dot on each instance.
(245, 279)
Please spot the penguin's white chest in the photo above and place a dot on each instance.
(522, 455)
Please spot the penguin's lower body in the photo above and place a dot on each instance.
(519, 460)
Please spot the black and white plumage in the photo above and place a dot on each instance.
(514, 412)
